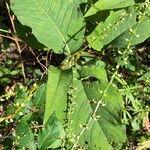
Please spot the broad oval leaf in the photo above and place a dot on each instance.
(105, 126)
(58, 24)
(75, 108)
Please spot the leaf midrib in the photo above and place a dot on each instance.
(61, 35)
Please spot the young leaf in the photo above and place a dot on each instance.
(58, 24)
(56, 97)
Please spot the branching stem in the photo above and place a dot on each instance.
(15, 38)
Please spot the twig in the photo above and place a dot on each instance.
(15, 38)
(8, 37)
(43, 67)
(37, 126)
(5, 31)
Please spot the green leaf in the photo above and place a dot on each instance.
(57, 24)
(40, 96)
(83, 1)
(107, 130)
(22, 104)
(56, 97)
(4, 80)
(145, 78)
(77, 107)
(135, 35)
(25, 33)
(24, 136)
(4, 71)
(14, 72)
(51, 134)
(108, 5)
(95, 69)
(116, 23)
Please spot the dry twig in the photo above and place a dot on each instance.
(16, 39)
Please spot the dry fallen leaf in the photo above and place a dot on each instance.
(146, 123)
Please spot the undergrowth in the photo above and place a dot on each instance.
(75, 74)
